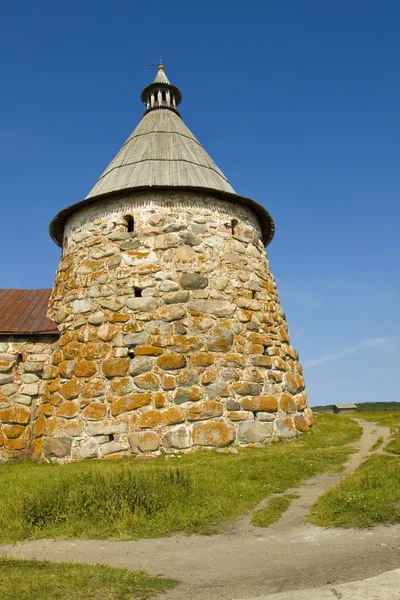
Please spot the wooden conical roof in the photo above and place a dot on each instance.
(162, 153)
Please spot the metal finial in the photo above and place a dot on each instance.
(159, 65)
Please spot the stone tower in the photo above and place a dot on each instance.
(172, 336)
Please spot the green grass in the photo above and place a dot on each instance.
(388, 419)
(273, 511)
(394, 445)
(377, 444)
(36, 580)
(131, 499)
(362, 406)
(369, 497)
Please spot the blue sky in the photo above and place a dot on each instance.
(298, 104)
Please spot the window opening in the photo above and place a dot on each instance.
(234, 222)
(164, 96)
(130, 223)
(20, 358)
(138, 292)
(131, 353)
(253, 294)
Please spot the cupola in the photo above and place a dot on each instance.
(161, 93)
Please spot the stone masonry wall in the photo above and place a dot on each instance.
(172, 335)
(22, 362)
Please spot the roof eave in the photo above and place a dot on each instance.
(56, 227)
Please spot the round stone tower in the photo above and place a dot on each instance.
(172, 336)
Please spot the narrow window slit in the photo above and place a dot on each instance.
(253, 294)
(130, 223)
(138, 292)
(20, 358)
(131, 353)
(234, 222)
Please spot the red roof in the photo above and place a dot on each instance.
(24, 311)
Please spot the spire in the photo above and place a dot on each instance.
(161, 76)
(161, 93)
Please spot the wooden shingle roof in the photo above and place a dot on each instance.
(162, 154)
(24, 312)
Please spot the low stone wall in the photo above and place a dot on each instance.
(22, 362)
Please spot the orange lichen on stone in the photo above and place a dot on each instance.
(127, 403)
(294, 382)
(35, 449)
(260, 403)
(191, 394)
(202, 359)
(50, 372)
(160, 400)
(204, 410)
(71, 350)
(68, 409)
(71, 389)
(66, 368)
(147, 381)
(301, 401)
(170, 362)
(66, 338)
(15, 414)
(238, 415)
(94, 350)
(57, 357)
(148, 351)
(158, 418)
(287, 403)
(115, 367)
(52, 427)
(119, 318)
(39, 425)
(300, 423)
(216, 434)
(95, 411)
(169, 382)
(93, 389)
(13, 431)
(47, 410)
(54, 385)
(16, 444)
(85, 368)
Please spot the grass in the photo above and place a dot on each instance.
(369, 497)
(363, 406)
(132, 499)
(377, 444)
(389, 419)
(273, 511)
(36, 580)
(394, 445)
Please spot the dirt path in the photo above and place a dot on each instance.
(246, 561)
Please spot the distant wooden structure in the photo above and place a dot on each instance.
(344, 408)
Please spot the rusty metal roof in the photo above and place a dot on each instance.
(24, 312)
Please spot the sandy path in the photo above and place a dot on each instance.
(248, 561)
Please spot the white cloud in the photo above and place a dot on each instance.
(371, 343)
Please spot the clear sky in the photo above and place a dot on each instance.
(297, 101)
